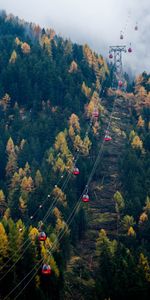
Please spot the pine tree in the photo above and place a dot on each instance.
(13, 236)
(105, 250)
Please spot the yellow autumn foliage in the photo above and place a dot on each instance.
(137, 143)
(131, 231)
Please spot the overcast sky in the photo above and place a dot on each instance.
(96, 22)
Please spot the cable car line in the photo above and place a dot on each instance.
(18, 250)
(93, 170)
(70, 218)
(72, 214)
(45, 217)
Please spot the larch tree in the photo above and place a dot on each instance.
(86, 146)
(144, 266)
(86, 90)
(13, 57)
(131, 232)
(137, 143)
(11, 166)
(27, 184)
(3, 203)
(73, 67)
(147, 205)
(59, 165)
(127, 222)
(143, 218)
(74, 122)
(4, 246)
(119, 205)
(5, 102)
(60, 195)
(25, 47)
(140, 122)
(78, 143)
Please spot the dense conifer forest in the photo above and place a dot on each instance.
(56, 103)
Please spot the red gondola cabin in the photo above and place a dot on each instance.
(130, 50)
(107, 138)
(46, 269)
(85, 198)
(120, 83)
(42, 236)
(136, 27)
(76, 171)
(121, 36)
(95, 113)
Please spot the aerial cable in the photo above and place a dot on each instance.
(70, 218)
(45, 217)
(72, 213)
(48, 196)
(55, 199)
(6, 297)
(40, 206)
(101, 150)
(39, 264)
(10, 258)
(70, 174)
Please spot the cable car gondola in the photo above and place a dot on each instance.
(42, 236)
(107, 137)
(76, 171)
(85, 198)
(110, 56)
(95, 113)
(136, 27)
(46, 269)
(130, 49)
(120, 83)
(121, 35)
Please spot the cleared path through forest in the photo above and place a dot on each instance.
(79, 277)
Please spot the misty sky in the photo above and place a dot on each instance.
(96, 22)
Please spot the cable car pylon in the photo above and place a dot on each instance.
(115, 53)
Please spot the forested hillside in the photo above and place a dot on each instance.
(56, 104)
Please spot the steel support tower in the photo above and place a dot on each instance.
(117, 51)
